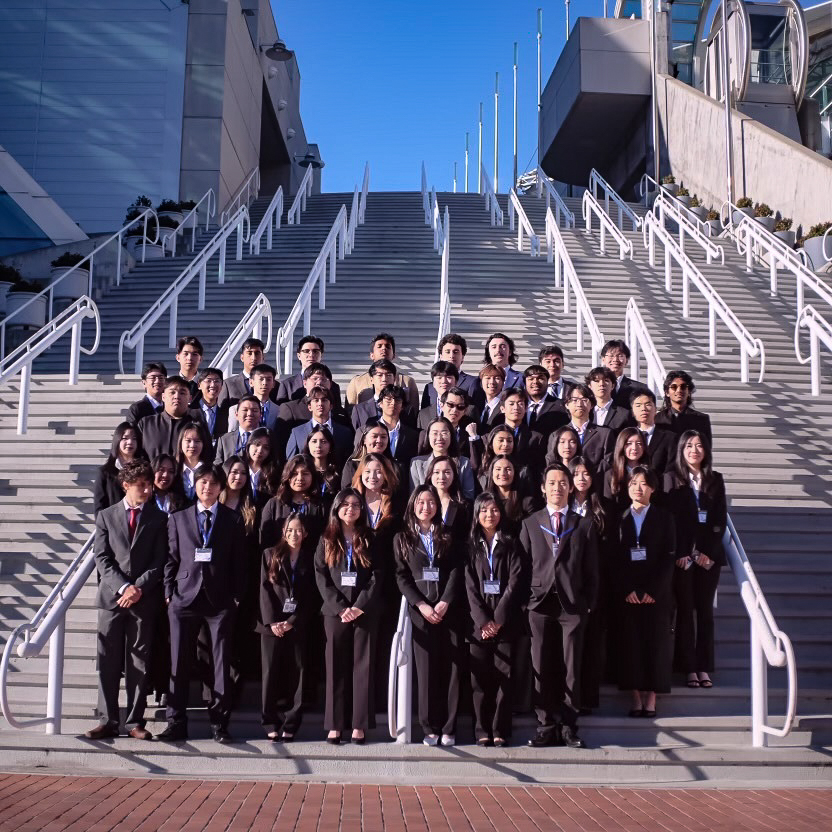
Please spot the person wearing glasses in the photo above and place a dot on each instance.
(310, 351)
(678, 412)
(207, 407)
(453, 405)
(597, 442)
(154, 376)
(615, 355)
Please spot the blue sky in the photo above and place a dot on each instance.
(399, 82)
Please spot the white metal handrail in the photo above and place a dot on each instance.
(21, 359)
(769, 644)
(88, 263)
(169, 299)
(819, 330)
(590, 206)
(358, 208)
(644, 191)
(638, 338)
(250, 326)
(826, 238)
(444, 290)
(515, 209)
(268, 224)
(558, 253)
(749, 345)
(334, 248)
(688, 225)
(425, 195)
(365, 189)
(400, 680)
(192, 217)
(250, 187)
(491, 204)
(597, 181)
(48, 625)
(299, 202)
(552, 195)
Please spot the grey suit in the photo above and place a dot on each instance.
(419, 467)
(342, 435)
(233, 389)
(127, 632)
(229, 444)
(271, 417)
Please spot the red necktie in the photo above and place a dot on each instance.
(133, 521)
(556, 520)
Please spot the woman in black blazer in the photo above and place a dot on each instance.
(443, 475)
(428, 574)
(495, 583)
(288, 603)
(259, 456)
(320, 446)
(125, 447)
(643, 589)
(504, 483)
(630, 450)
(696, 496)
(194, 451)
(499, 442)
(349, 581)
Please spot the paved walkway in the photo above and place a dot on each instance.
(40, 803)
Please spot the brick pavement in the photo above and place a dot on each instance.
(41, 803)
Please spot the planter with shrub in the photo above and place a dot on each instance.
(813, 245)
(765, 216)
(170, 208)
(745, 208)
(782, 229)
(77, 284)
(669, 184)
(713, 223)
(697, 208)
(167, 228)
(34, 315)
(683, 195)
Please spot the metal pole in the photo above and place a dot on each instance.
(726, 90)
(55, 683)
(567, 19)
(654, 6)
(496, 129)
(479, 166)
(514, 181)
(606, 13)
(466, 161)
(539, 81)
(454, 177)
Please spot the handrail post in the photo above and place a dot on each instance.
(54, 693)
(174, 307)
(75, 353)
(240, 239)
(759, 691)
(23, 404)
(203, 277)
(118, 260)
(814, 353)
(138, 359)
(221, 269)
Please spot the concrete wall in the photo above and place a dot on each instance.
(768, 167)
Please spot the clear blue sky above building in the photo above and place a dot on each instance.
(399, 82)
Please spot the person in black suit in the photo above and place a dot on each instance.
(382, 375)
(453, 405)
(383, 347)
(125, 447)
(565, 444)
(320, 405)
(487, 399)
(160, 432)
(296, 411)
(154, 376)
(428, 572)
(596, 442)
(496, 584)
(348, 580)
(643, 590)
(288, 605)
(501, 480)
(295, 387)
(189, 352)
(130, 553)
(205, 581)
(441, 440)
(404, 439)
(678, 412)
(544, 413)
(562, 551)
(239, 385)
(630, 451)
(606, 413)
(696, 497)
(551, 357)
(615, 355)
(500, 350)
(528, 443)
(320, 447)
(452, 348)
(443, 475)
(233, 443)
(207, 408)
(498, 442)
(661, 440)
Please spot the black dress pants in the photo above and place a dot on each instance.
(283, 660)
(349, 673)
(436, 650)
(491, 683)
(694, 589)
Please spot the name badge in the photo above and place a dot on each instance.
(491, 587)
(289, 606)
(638, 553)
(202, 555)
(430, 575)
(349, 578)
(703, 516)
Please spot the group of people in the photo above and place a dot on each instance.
(546, 533)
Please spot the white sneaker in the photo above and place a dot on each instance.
(434, 740)
(448, 740)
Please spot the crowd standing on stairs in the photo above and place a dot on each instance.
(546, 532)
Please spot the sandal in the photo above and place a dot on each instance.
(706, 682)
(693, 681)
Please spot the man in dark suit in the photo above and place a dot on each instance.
(130, 552)
(239, 385)
(443, 376)
(661, 440)
(487, 401)
(551, 357)
(606, 413)
(678, 412)
(189, 352)
(545, 413)
(382, 374)
(615, 355)
(528, 443)
(262, 383)
(404, 440)
(205, 580)
(454, 406)
(206, 408)
(562, 552)
(160, 432)
(154, 376)
(234, 442)
(310, 354)
(453, 348)
(320, 405)
(597, 443)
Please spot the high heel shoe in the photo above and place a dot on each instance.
(336, 740)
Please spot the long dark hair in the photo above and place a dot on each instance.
(453, 448)
(596, 508)
(476, 538)
(512, 350)
(441, 538)
(681, 469)
(176, 492)
(268, 470)
(619, 478)
(246, 505)
(511, 506)
(280, 553)
(388, 490)
(118, 435)
(360, 449)
(284, 490)
(558, 433)
(490, 453)
(453, 489)
(332, 473)
(206, 457)
(671, 377)
(335, 549)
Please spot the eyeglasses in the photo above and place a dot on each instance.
(454, 406)
(681, 386)
(212, 382)
(311, 351)
(154, 378)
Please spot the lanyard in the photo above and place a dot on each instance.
(375, 518)
(489, 553)
(211, 417)
(349, 557)
(254, 478)
(200, 522)
(290, 574)
(164, 504)
(638, 528)
(427, 541)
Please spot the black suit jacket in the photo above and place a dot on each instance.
(223, 580)
(138, 410)
(690, 533)
(654, 575)
(275, 513)
(366, 594)
(160, 434)
(572, 570)
(551, 414)
(291, 388)
(528, 450)
(687, 419)
(410, 561)
(617, 419)
(662, 449)
(470, 384)
(628, 386)
(407, 445)
(139, 563)
(233, 389)
(298, 585)
(597, 446)
(220, 422)
(106, 490)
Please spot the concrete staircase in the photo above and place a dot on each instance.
(391, 282)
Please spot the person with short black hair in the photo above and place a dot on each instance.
(500, 351)
(551, 357)
(207, 408)
(310, 354)
(615, 355)
(154, 375)
(596, 442)
(453, 348)
(528, 443)
(383, 348)
(678, 412)
(320, 405)
(125, 447)
(661, 440)
(189, 352)
(262, 383)
(606, 413)
(404, 439)
(545, 413)
(205, 581)
(443, 376)
(160, 432)
(239, 385)
(382, 374)
(248, 413)
(453, 406)
(130, 553)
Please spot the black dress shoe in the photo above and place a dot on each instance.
(334, 740)
(105, 731)
(570, 737)
(173, 733)
(221, 735)
(358, 740)
(543, 739)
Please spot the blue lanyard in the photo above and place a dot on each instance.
(349, 557)
(375, 518)
(489, 553)
(427, 540)
(200, 522)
